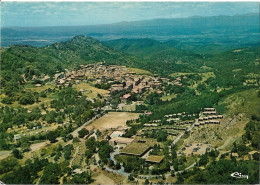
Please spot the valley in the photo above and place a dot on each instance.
(83, 111)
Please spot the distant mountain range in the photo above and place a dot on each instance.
(228, 31)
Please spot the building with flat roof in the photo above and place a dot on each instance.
(117, 134)
(136, 149)
(154, 159)
(120, 140)
(17, 136)
(234, 154)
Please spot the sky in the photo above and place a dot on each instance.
(35, 14)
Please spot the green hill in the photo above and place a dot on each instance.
(163, 57)
(58, 56)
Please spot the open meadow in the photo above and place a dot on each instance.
(90, 91)
(113, 120)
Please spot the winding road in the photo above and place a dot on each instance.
(122, 172)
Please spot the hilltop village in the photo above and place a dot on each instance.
(118, 77)
(115, 134)
(144, 144)
(163, 101)
(117, 80)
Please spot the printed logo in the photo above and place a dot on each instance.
(238, 175)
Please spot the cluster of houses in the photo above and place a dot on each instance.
(120, 78)
(209, 116)
(177, 81)
(175, 118)
(170, 130)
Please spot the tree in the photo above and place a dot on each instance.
(8, 164)
(76, 140)
(58, 155)
(51, 174)
(70, 137)
(91, 144)
(146, 182)
(67, 151)
(7, 100)
(104, 152)
(59, 148)
(26, 98)
(51, 116)
(25, 143)
(256, 156)
(162, 136)
(51, 136)
(110, 163)
(131, 177)
(67, 155)
(172, 173)
(83, 132)
(203, 160)
(59, 120)
(84, 178)
(118, 166)
(89, 153)
(17, 154)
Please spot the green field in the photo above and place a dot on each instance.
(139, 71)
(91, 91)
(168, 97)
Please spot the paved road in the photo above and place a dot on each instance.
(75, 132)
(112, 155)
(121, 170)
(192, 126)
(189, 129)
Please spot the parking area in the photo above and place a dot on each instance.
(195, 149)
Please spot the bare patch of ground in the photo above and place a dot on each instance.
(38, 146)
(103, 180)
(113, 120)
(4, 154)
(90, 91)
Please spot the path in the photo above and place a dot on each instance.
(122, 172)
(103, 179)
(189, 129)
(75, 132)
(37, 146)
(74, 156)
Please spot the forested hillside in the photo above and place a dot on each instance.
(193, 82)
(58, 56)
(231, 68)
(166, 58)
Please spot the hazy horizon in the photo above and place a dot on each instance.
(123, 21)
(44, 14)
